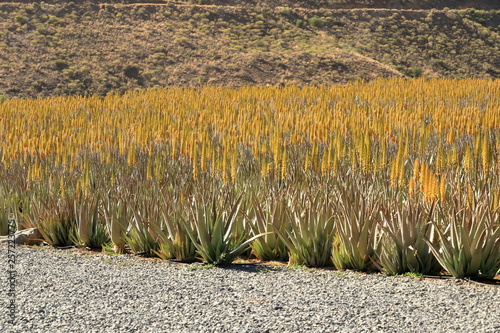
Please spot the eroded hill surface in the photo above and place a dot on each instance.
(92, 47)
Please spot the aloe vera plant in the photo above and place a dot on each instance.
(212, 231)
(469, 241)
(178, 247)
(142, 236)
(403, 247)
(356, 240)
(174, 240)
(265, 220)
(90, 231)
(116, 215)
(309, 237)
(54, 218)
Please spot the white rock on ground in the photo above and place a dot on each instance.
(31, 236)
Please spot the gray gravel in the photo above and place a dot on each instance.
(65, 291)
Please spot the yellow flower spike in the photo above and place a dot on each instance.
(383, 154)
(203, 158)
(401, 174)
(173, 154)
(234, 165)
(224, 170)
(453, 160)
(470, 197)
(366, 158)
(450, 137)
(329, 155)
(194, 157)
(486, 155)
(284, 164)
(263, 168)
(62, 187)
(131, 156)
(307, 161)
(477, 147)
(431, 188)
(353, 157)
(468, 163)
(406, 150)
(325, 163)
(213, 162)
(416, 169)
(393, 175)
(335, 166)
(440, 158)
(424, 180)
(411, 187)
(149, 169)
(339, 145)
(158, 168)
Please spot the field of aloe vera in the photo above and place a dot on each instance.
(391, 175)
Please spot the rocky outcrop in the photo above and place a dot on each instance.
(25, 237)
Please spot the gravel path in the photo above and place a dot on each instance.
(66, 291)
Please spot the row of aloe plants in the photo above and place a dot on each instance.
(350, 223)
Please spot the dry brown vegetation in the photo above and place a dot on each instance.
(84, 47)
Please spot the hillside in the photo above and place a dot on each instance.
(85, 47)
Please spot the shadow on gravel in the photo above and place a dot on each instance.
(477, 280)
(254, 268)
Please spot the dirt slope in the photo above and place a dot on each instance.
(84, 47)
